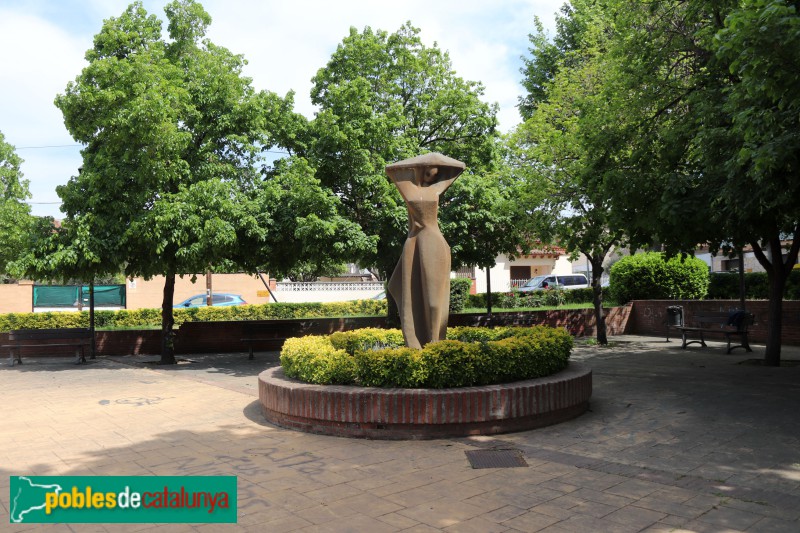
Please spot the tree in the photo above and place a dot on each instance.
(713, 85)
(382, 98)
(173, 135)
(553, 149)
(15, 218)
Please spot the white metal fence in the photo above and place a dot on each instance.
(329, 286)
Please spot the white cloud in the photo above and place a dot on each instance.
(43, 42)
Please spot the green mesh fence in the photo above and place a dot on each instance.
(70, 295)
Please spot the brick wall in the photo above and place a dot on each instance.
(648, 317)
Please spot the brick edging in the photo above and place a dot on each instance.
(424, 413)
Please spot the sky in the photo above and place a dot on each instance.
(43, 42)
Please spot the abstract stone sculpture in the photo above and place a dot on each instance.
(420, 283)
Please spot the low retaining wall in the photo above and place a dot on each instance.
(424, 413)
(649, 317)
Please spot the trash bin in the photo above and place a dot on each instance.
(675, 315)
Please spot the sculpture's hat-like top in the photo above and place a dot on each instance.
(433, 159)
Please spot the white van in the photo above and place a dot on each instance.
(551, 281)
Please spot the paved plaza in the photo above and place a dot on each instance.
(676, 440)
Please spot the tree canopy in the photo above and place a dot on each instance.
(553, 150)
(691, 138)
(170, 183)
(385, 97)
(16, 221)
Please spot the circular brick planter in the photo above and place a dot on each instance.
(378, 413)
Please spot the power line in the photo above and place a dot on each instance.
(49, 146)
(78, 145)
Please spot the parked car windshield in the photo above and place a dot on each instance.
(534, 282)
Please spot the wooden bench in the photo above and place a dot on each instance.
(728, 324)
(20, 338)
(271, 334)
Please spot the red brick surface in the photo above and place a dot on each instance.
(648, 317)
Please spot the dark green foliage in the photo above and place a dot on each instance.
(459, 293)
(650, 276)
(725, 286)
(151, 318)
(515, 299)
(469, 356)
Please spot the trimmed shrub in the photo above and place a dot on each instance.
(515, 299)
(650, 276)
(151, 318)
(315, 360)
(459, 293)
(725, 286)
(469, 356)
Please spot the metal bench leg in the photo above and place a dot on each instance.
(251, 357)
(79, 356)
(17, 359)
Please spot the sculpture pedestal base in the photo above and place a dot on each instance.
(377, 413)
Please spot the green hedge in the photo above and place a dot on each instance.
(725, 286)
(149, 318)
(459, 293)
(651, 276)
(516, 299)
(469, 356)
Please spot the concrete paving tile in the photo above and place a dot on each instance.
(476, 525)
(553, 510)
(281, 525)
(602, 497)
(326, 513)
(398, 521)
(635, 517)
(775, 525)
(352, 524)
(653, 503)
(634, 489)
(334, 493)
(696, 526)
(531, 521)
(442, 513)
(413, 497)
(291, 500)
(422, 528)
(460, 491)
(731, 518)
(504, 513)
(586, 524)
(370, 505)
(559, 486)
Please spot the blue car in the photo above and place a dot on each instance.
(218, 299)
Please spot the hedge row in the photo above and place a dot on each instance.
(725, 286)
(469, 356)
(148, 318)
(515, 299)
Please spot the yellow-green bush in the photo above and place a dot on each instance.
(315, 360)
(470, 356)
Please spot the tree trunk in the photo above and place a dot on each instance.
(777, 283)
(167, 321)
(597, 300)
(778, 271)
